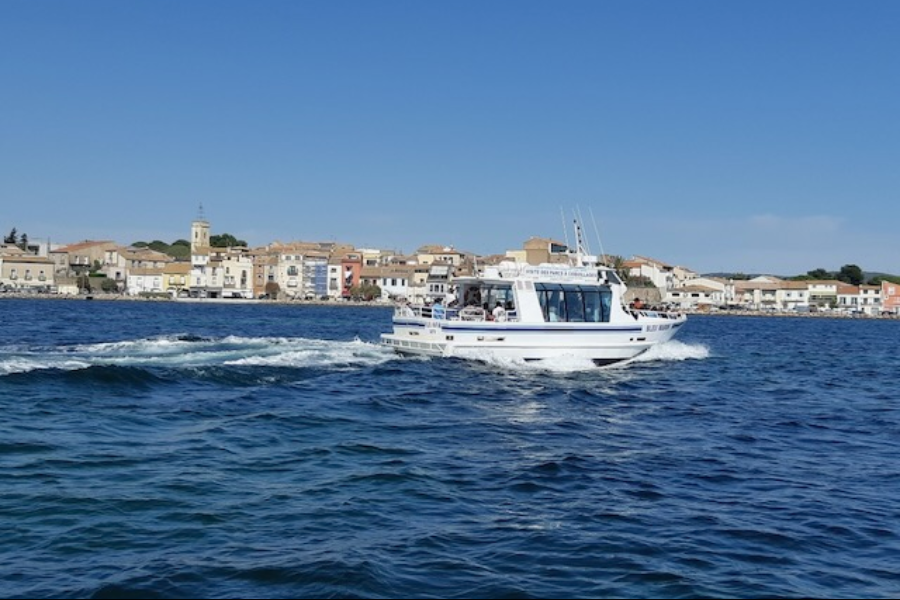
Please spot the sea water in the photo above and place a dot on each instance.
(163, 449)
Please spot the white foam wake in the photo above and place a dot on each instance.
(183, 351)
(674, 350)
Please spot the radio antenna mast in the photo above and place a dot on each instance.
(562, 215)
(597, 233)
(583, 247)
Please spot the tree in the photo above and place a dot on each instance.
(12, 238)
(159, 246)
(618, 265)
(272, 289)
(84, 283)
(225, 240)
(179, 251)
(820, 274)
(23, 241)
(366, 291)
(851, 274)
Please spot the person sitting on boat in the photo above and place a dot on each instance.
(437, 311)
(499, 313)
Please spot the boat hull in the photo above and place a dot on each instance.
(601, 343)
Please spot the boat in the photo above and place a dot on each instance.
(522, 312)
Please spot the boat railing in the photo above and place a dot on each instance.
(657, 314)
(439, 313)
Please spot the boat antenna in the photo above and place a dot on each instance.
(583, 248)
(597, 233)
(562, 215)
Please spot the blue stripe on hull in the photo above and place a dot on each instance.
(456, 328)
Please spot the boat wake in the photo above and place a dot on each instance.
(674, 350)
(183, 351)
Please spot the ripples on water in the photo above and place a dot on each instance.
(169, 450)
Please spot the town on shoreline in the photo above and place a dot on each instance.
(383, 304)
(336, 273)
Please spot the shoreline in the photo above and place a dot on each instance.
(122, 298)
(376, 304)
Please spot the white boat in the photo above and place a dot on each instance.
(548, 311)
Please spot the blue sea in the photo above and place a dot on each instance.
(188, 450)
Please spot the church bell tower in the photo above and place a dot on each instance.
(199, 232)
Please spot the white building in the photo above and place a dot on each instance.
(144, 281)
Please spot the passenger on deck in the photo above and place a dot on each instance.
(499, 312)
(437, 311)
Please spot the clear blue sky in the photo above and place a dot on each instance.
(754, 136)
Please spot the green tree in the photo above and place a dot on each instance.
(225, 240)
(179, 251)
(108, 285)
(820, 274)
(618, 265)
(159, 246)
(84, 283)
(12, 238)
(851, 274)
(366, 291)
(23, 241)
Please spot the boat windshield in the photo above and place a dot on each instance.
(487, 296)
(574, 303)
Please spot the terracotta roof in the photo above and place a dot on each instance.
(85, 245)
(28, 258)
(177, 268)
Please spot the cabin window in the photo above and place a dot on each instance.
(574, 303)
(487, 296)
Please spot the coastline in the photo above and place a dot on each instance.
(375, 304)
(122, 298)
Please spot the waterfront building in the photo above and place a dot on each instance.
(698, 293)
(237, 273)
(83, 257)
(823, 292)
(433, 253)
(791, 295)
(265, 269)
(177, 279)
(24, 272)
(145, 281)
(315, 276)
(120, 261)
(890, 297)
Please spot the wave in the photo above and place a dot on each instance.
(185, 351)
(674, 350)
